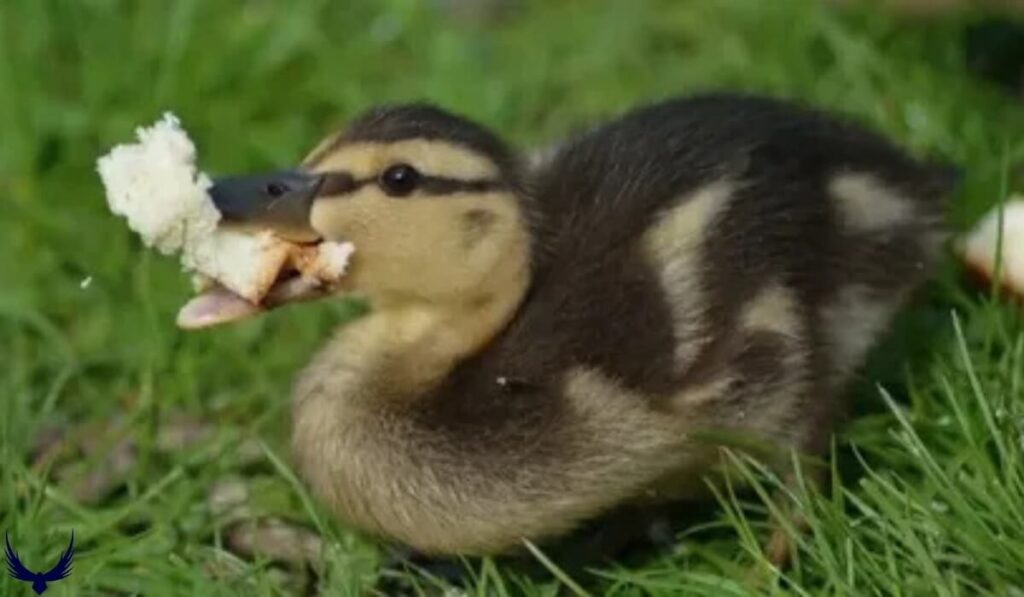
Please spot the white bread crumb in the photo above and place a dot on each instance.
(980, 247)
(327, 262)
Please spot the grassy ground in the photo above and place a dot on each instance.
(928, 497)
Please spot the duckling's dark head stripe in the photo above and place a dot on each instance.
(440, 185)
(339, 183)
(343, 183)
(388, 124)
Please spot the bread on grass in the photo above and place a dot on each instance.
(985, 250)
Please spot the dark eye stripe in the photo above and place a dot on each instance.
(338, 183)
(439, 185)
(343, 183)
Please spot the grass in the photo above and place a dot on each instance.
(928, 487)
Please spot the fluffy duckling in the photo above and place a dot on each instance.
(547, 344)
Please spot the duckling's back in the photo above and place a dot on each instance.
(729, 246)
(710, 267)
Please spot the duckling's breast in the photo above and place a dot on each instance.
(486, 460)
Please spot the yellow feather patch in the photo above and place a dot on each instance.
(673, 245)
(865, 203)
(853, 321)
(775, 309)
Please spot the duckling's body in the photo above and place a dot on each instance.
(696, 270)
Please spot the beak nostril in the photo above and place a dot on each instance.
(276, 189)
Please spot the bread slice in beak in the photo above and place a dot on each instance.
(310, 273)
(247, 238)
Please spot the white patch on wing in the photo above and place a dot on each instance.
(705, 393)
(733, 393)
(865, 203)
(673, 245)
(774, 309)
(853, 322)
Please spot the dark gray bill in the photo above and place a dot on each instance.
(280, 201)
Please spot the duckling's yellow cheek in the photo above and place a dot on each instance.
(424, 244)
(353, 217)
(399, 241)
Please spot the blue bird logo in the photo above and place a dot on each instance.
(60, 570)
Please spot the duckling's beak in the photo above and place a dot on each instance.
(280, 201)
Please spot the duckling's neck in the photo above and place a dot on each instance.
(405, 346)
(421, 343)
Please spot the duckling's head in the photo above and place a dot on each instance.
(432, 202)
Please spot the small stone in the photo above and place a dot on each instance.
(275, 539)
(108, 474)
(179, 431)
(229, 497)
(249, 452)
(48, 445)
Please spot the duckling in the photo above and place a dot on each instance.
(546, 344)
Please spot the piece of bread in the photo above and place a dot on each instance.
(155, 186)
(981, 249)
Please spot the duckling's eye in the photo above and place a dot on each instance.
(399, 180)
